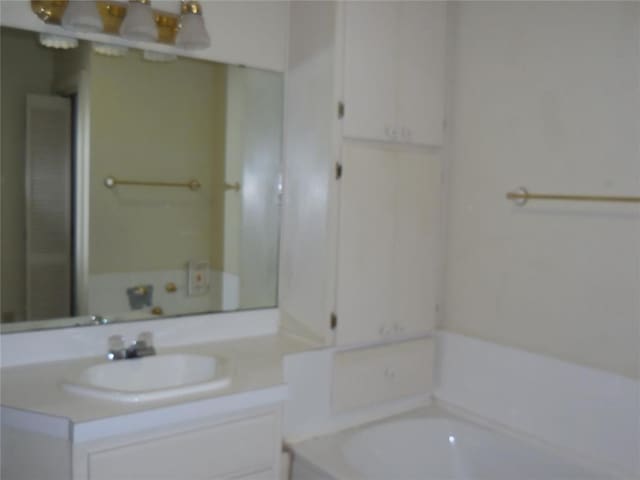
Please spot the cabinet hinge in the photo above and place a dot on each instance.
(338, 170)
(340, 109)
(334, 321)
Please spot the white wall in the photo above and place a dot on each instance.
(546, 95)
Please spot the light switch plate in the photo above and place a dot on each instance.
(197, 277)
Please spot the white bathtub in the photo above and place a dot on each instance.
(430, 444)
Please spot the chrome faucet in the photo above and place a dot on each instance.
(142, 347)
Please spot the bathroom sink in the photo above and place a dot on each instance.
(151, 378)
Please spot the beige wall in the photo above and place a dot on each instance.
(164, 122)
(546, 95)
(26, 68)
(67, 67)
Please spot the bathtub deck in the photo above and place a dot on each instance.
(478, 453)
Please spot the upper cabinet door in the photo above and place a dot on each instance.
(370, 70)
(420, 74)
(394, 71)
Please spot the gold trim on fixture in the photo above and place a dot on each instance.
(191, 7)
(49, 11)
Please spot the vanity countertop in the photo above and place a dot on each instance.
(256, 365)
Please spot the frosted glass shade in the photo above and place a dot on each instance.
(138, 24)
(193, 33)
(82, 16)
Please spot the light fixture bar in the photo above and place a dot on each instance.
(113, 14)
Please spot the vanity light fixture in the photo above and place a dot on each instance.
(134, 20)
(82, 16)
(192, 34)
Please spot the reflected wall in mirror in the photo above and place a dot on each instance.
(72, 248)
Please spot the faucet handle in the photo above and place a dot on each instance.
(142, 347)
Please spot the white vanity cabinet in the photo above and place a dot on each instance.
(394, 71)
(243, 444)
(246, 447)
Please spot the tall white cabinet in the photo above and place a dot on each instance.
(364, 121)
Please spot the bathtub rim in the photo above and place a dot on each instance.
(323, 456)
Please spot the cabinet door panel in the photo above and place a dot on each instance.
(383, 374)
(366, 242)
(420, 74)
(370, 69)
(208, 453)
(415, 264)
(389, 216)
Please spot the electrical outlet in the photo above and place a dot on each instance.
(198, 277)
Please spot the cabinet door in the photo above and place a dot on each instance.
(388, 227)
(365, 244)
(211, 452)
(416, 226)
(370, 69)
(420, 73)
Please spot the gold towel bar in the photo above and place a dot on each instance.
(521, 196)
(111, 182)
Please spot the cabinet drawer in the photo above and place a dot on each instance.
(379, 374)
(208, 453)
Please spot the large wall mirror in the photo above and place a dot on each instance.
(134, 186)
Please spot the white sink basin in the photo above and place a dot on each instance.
(151, 378)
